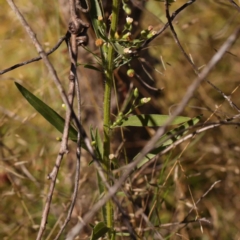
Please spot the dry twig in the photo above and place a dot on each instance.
(233, 105)
(58, 44)
(158, 33)
(73, 53)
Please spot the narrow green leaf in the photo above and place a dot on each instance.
(99, 231)
(174, 135)
(178, 132)
(92, 67)
(152, 120)
(98, 145)
(48, 113)
(94, 13)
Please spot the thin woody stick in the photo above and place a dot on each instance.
(58, 44)
(185, 5)
(73, 53)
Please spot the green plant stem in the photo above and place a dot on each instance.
(107, 105)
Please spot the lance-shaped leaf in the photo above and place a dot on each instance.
(48, 113)
(168, 139)
(151, 120)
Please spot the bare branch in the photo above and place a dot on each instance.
(204, 195)
(73, 53)
(233, 105)
(36, 58)
(168, 225)
(176, 37)
(234, 4)
(167, 24)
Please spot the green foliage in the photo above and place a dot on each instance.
(97, 143)
(168, 139)
(99, 230)
(150, 120)
(47, 112)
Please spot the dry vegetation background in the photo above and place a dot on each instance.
(27, 142)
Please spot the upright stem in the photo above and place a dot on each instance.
(107, 104)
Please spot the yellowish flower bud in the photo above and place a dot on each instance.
(130, 72)
(145, 100)
(135, 93)
(99, 42)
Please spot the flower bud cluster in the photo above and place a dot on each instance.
(148, 33)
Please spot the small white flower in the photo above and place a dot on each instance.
(129, 20)
(127, 50)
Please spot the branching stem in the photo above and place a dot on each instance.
(107, 104)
